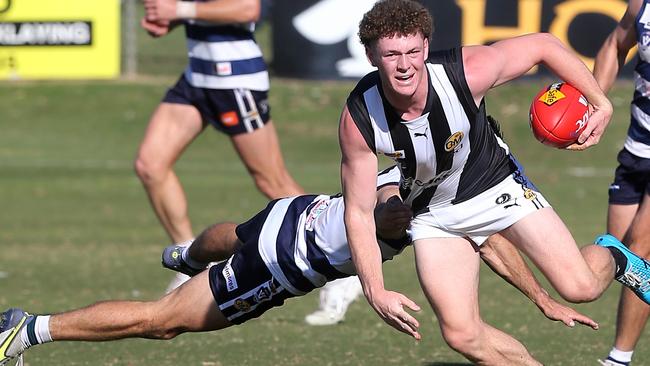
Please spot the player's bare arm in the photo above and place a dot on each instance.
(358, 176)
(506, 261)
(507, 62)
(612, 54)
(223, 11)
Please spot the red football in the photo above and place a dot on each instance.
(558, 115)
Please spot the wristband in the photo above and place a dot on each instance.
(185, 9)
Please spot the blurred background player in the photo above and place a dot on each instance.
(628, 216)
(333, 301)
(263, 272)
(225, 84)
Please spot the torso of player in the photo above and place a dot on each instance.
(449, 153)
(308, 241)
(224, 56)
(638, 138)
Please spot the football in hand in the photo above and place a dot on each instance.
(558, 115)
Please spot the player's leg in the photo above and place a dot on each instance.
(260, 152)
(448, 271)
(214, 244)
(632, 312)
(189, 308)
(171, 129)
(334, 299)
(578, 275)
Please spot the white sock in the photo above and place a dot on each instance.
(622, 356)
(39, 328)
(185, 254)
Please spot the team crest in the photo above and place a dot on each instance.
(454, 141)
(529, 194)
(552, 95)
(242, 305)
(265, 292)
(399, 154)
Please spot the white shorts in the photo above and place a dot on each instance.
(479, 217)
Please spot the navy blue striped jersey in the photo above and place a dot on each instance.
(638, 134)
(303, 240)
(224, 56)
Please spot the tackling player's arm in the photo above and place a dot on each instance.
(489, 66)
(359, 179)
(612, 54)
(506, 261)
(222, 11)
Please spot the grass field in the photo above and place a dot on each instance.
(76, 227)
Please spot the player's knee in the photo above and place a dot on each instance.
(580, 290)
(464, 340)
(148, 172)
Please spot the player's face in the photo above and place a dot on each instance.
(400, 62)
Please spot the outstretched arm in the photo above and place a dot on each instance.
(611, 56)
(489, 66)
(358, 178)
(504, 259)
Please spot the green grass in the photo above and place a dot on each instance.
(76, 226)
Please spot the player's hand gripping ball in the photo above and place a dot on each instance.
(558, 115)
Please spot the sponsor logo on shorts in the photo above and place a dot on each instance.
(229, 119)
(552, 95)
(242, 305)
(529, 194)
(229, 276)
(454, 141)
(223, 68)
(614, 187)
(399, 154)
(265, 292)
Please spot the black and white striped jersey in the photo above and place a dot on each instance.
(446, 156)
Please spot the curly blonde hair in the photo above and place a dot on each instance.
(388, 18)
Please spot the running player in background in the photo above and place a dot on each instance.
(225, 85)
(265, 270)
(628, 216)
(429, 115)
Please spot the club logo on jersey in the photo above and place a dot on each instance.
(454, 141)
(552, 95)
(318, 209)
(242, 305)
(529, 194)
(229, 119)
(229, 276)
(223, 68)
(399, 154)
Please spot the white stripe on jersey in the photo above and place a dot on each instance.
(223, 51)
(378, 118)
(257, 81)
(267, 243)
(635, 147)
(458, 121)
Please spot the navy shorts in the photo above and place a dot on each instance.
(631, 179)
(242, 286)
(231, 111)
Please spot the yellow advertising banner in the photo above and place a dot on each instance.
(68, 39)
